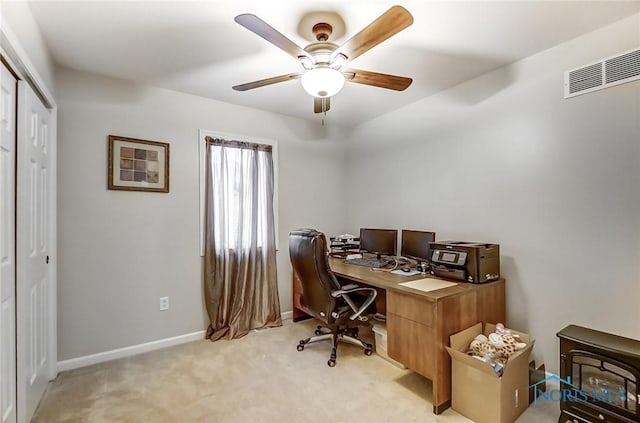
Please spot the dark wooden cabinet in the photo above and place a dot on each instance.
(600, 373)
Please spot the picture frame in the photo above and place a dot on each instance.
(138, 165)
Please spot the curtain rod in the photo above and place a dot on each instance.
(238, 144)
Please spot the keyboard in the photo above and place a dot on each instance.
(375, 263)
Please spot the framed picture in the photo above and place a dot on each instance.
(138, 165)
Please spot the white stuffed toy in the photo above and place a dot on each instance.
(505, 342)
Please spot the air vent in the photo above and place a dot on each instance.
(623, 67)
(585, 78)
(605, 73)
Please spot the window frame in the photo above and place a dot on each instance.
(202, 151)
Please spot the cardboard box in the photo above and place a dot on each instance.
(477, 392)
(380, 331)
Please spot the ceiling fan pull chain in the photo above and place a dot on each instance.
(324, 109)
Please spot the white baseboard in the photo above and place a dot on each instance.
(88, 360)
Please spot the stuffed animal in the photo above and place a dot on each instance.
(483, 347)
(498, 346)
(505, 342)
(483, 350)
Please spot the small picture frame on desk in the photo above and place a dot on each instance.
(138, 165)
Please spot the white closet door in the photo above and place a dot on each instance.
(33, 224)
(7, 247)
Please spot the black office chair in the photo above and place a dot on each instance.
(322, 295)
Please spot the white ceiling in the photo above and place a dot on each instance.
(196, 47)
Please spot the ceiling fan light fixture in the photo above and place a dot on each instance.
(322, 82)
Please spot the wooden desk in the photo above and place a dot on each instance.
(419, 323)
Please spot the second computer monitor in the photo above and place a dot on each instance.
(379, 241)
(415, 244)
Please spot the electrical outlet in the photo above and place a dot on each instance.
(164, 303)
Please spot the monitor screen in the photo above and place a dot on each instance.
(379, 241)
(415, 244)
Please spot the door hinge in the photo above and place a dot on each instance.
(47, 259)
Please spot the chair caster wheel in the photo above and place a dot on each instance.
(317, 332)
(300, 347)
(331, 363)
(368, 352)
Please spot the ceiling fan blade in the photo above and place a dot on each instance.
(266, 31)
(389, 23)
(382, 80)
(321, 104)
(268, 81)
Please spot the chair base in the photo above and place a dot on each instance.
(337, 333)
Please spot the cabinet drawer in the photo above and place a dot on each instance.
(412, 308)
(412, 344)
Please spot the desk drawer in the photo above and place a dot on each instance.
(412, 344)
(410, 307)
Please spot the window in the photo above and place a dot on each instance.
(230, 162)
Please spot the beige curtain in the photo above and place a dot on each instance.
(240, 257)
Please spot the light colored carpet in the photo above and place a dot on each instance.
(258, 378)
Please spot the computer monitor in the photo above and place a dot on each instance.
(379, 241)
(415, 244)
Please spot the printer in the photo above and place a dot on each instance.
(473, 262)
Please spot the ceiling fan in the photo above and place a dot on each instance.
(323, 62)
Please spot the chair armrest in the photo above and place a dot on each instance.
(342, 293)
(350, 286)
(346, 289)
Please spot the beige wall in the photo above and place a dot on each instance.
(121, 251)
(504, 158)
(18, 18)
